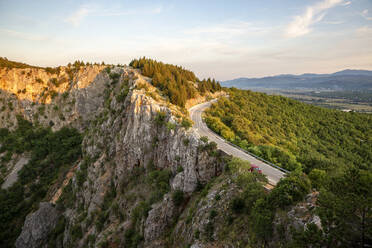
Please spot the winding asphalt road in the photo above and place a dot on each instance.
(273, 174)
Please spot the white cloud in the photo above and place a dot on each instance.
(301, 24)
(365, 15)
(76, 18)
(346, 3)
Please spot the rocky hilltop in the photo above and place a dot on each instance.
(143, 177)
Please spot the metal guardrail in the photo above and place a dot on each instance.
(249, 153)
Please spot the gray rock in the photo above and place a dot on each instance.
(159, 218)
(37, 226)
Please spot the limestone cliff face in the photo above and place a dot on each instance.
(30, 83)
(38, 226)
(55, 99)
(145, 178)
(129, 139)
(132, 136)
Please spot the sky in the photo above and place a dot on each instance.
(219, 39)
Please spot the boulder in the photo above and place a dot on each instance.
(38, 226)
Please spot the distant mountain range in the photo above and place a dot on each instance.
(342, 80)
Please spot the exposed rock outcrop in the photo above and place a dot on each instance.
(297, 218)
(137, 154)
(30, 83)
(37, 226)
(51, 99)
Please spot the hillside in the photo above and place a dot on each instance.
(293, 134)
(107, 157)
(333, 148)
(343, 80)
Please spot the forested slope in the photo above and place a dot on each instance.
(293, 134)
(176, 82)
(332, 147)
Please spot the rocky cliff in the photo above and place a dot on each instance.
(56, 98)
(145, 178)
(137, 152)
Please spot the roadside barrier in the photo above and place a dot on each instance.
(249, 153)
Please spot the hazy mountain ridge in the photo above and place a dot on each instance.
(342, 80)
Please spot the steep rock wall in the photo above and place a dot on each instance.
(127, 141)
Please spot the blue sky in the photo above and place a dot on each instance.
(221, 39)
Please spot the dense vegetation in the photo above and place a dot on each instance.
(177, 83)
(248, 219)
(292, 134)
(51, 154)
(333, 148)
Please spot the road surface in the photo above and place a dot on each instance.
(273, 174)
(13, 175)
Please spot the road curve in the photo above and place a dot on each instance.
(273, 174)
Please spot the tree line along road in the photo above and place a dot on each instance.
(273, 174)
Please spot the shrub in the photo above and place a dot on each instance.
(186, 123)
(290, 189)
(115, 77)
(238, 205)
(262, 219)
(39, 80)
(186, 142)
(132, 238)
(179, 169)
(171, 126)
(160, 118)
(76, 232)
(318, 178)
(61, 117)
(122, 95)
(141, 210)
(212, 214)
(10, 106)
(142, 86)
(197, 234)
(101, 219)
(178, 197)
(53, 94)
(159, 180)
(204, 139)
(209, 230)
(65, 95)
(54, 81)
(41, 110)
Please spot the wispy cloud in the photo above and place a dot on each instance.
(23, 35)
(366, 16)
(76, 17)
(92, 10)
(301, 24)
(346, 3)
